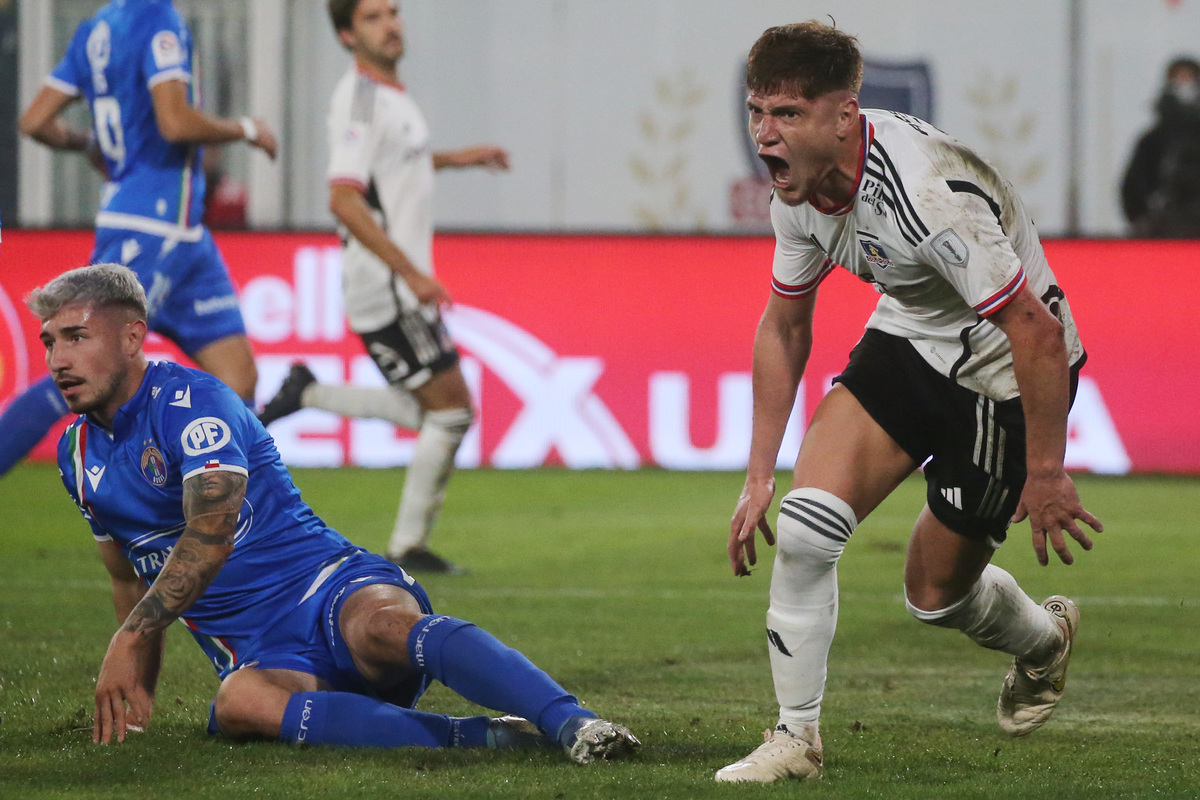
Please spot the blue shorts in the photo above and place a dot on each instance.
(309, 640)
(192, 299)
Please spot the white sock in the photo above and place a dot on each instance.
(365, 402)
(998, 615)
(425, 483)
(811, 532)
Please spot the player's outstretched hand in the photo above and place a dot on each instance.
(1052, 505)
(125, 686)
(489, 156)
(265, 140)
(493, 158)
(749, 515)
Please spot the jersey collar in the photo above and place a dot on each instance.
(129, 413)
(371, 76)
(868, 136)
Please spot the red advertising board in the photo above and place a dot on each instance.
(620, 351)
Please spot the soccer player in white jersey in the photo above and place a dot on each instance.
(968, 366)
(381, 191)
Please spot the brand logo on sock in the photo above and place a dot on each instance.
(419, 644)
(777, 642)
(305, 715)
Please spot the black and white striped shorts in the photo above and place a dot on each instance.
(412, 349)
(973, 447)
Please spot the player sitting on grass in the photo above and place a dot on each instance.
(315, 640)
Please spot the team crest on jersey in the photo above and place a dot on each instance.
(168, 52)
(877, 255)
(154, 466)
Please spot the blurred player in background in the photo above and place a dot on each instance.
(381, 191)
(968, 366)
(132, 64)
(315, 641)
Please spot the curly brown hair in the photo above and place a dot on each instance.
(805, 58)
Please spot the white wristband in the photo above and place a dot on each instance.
(249, 130)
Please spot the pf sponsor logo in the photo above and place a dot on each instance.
(14, 357)
(205, 435)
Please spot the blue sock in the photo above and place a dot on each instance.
(28, 418)
(354, 720)
(487, 672)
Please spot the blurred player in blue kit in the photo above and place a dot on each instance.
(132, 64)
(316, 641)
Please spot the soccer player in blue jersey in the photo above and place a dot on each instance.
(316, 641)
(132, 64)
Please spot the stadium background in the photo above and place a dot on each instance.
(609, 285)
(622, 351)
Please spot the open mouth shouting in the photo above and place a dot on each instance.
(781, 171)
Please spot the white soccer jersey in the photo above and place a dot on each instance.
(379, 142)
(942, 237)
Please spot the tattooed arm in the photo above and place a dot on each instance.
(129, 674)
(127, 587)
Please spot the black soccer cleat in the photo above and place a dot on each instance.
(287, 399)
(418, 559)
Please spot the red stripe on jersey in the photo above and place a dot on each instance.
(868, 135)
(80, 466)
(355, 182)
(1003, 297)
(219, 642)
(794, 291)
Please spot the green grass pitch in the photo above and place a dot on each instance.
(617, 584)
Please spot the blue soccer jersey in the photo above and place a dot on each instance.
(128, 483)
(113, 61)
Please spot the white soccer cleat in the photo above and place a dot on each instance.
(783, 754)
(599, 738)
(1030, 693)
